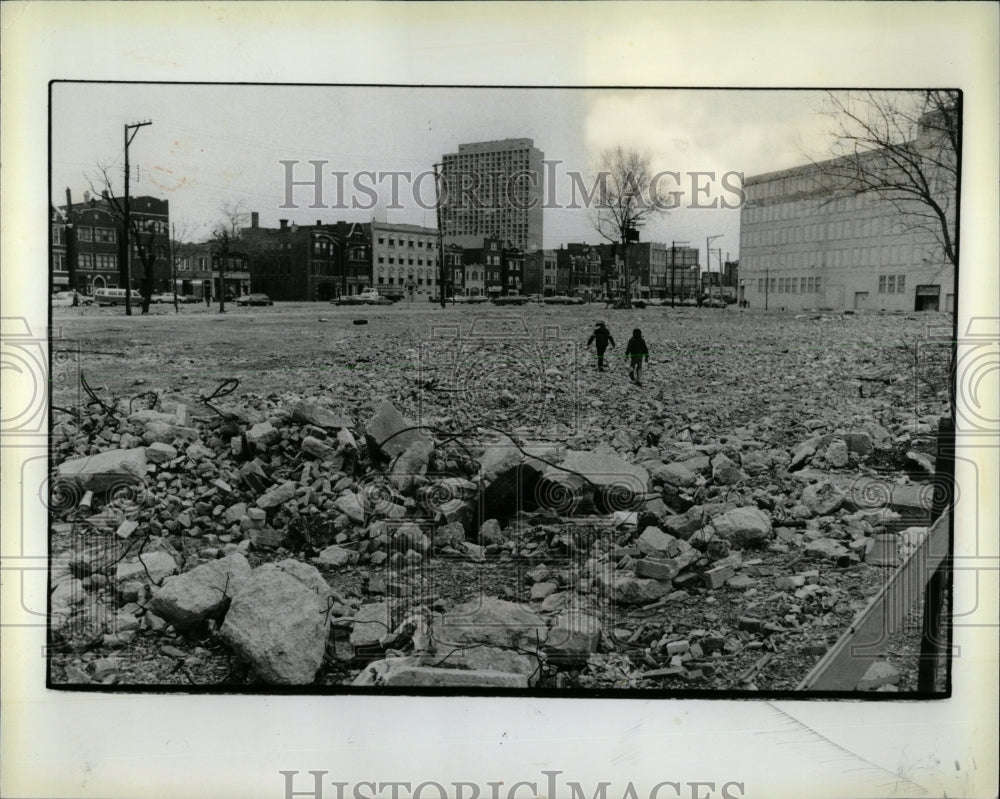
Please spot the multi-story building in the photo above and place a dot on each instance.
(87, 245)
(402, 256)
(540, 271)
(493, 189)
(583, 269)
(804, 246)
(200, 271)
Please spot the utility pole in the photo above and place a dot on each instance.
(767, 285)
(134, 128)
(708, 260)
(438, 177)
(70, 234)
(173, 266)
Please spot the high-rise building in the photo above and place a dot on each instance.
(493, 189)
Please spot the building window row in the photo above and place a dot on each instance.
(891, 284)
(789, 285)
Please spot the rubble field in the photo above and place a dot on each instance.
(412, 497)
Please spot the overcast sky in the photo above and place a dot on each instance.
(214, 144)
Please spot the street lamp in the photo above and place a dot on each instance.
(708, 259)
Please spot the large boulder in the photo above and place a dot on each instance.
(279, 626)
(492, 621)
(190, 599)
(105, 469)
(743, 527)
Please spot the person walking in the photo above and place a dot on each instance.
(635, 351)
(600, 338)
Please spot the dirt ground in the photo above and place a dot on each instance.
(742, 379)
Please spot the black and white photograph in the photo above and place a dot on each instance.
(498, 390)
(499, 400)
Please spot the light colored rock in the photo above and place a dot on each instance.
(315, 448)
(573, 638)
(314, 414)
(371, 623)
(263, 434)
(349, 504)
(743, 527)
(879, 673)
(158, 452)
(657, 543)
(411, 465)
(837, 453)
(276, 495)
(625, 588)
(105, 469)
(825, 549)
(190, 599)
(822, 498)
(150, 566)
(492, 621)
(336, 556)
(490, 533)
(279, 626)
(386, 673)
(389, 432)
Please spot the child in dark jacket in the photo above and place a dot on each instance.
(635, 351)
(601, 337)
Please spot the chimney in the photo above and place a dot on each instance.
(254, 219)
(283, 223)
(319, 223)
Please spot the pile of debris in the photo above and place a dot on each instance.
(233, 525)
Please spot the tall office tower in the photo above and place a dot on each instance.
(493, 189)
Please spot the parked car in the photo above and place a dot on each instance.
(63, 298)
(163, 297)
(562, 299)
(510, 299)
(254, 299)
(114, 297)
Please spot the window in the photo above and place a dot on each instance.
(85, 234)
(107, 235)
(86, 260)
(57, 235)
(818, 284)
(381, 280)
(381, 260)
(59, 262)
(900, 283)
(890, 287)
(381, 239)
(107, 261)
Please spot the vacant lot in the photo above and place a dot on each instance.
(720, 381)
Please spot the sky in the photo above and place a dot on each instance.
(209, 145)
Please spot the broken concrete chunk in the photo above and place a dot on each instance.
(658, 544)
(106, 469)
(573, 638)
(263, 434)
(159, 452)
(320, 450)
(387, 673)
(276, 495)
(151, 566)
(315, 414)
(879, 673)
(743, 527)
(822, 498)
(192, 598)
(336, 556)
(625, 588)
(371, 622)
(488, 620)
(825, 549)
(349, 504)
(390, 433)
(411, 465)
(279, 626)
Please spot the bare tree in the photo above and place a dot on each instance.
(226, 234)
(903, 147)
(140, 232)
(627, 200)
